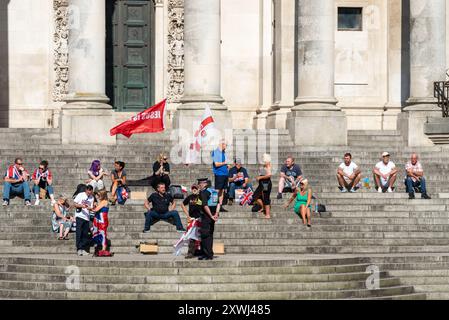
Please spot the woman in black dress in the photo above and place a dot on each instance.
(263, 191)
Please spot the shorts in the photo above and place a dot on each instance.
(221, 182)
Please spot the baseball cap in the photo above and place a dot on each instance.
(202, 180)
(194, 186)
(385, 154)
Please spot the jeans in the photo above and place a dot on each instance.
(16, 189)
(83, 240)
(49, 189)
(233, 187)
(410, 185)
(153, 215)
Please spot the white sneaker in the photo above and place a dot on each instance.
(83, 253)
(27, 203)
(79, 252)
(5, 203)
(352, 190)
(389, 190)
(344, 190)
(37, 202)
(379, 190)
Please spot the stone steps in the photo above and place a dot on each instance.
(270, 279)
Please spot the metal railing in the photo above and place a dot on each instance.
(441, 92)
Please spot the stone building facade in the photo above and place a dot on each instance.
(317, 66)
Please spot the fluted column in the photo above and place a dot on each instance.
(87, 51)
(427, 65)
(202, 67)
(316, 46)
(202, 42)
(427, 51)
(87, 118)
(316, 120)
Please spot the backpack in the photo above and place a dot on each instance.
(213, 200)
(176, 192)
(79, 189)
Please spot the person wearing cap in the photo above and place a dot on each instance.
(415, 178)
(385, 173)
(210, 208)
(220, 170)
(194, 212)
(238, 179)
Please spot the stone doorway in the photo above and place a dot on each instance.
(130, 54)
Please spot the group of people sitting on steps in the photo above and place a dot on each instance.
(385, 174)
(232, 183)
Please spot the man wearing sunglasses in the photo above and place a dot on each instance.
(43, 179)
(16, 183)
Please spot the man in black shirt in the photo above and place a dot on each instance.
(163, 208)
(209, 215)
(194, 212)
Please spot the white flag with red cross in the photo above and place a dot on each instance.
(200, 137)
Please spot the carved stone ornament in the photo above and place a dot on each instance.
(61, 52)
(175, 88)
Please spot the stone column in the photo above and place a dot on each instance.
(427, 65)
(87, 118)
(284, 53)
(202, 65)
(316, 119)
(266, 64)
(396, 74)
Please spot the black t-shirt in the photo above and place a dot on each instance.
(193, 201)
(116, 176)
(160, 203)
(157, 166)
(294, 171)
(204, 199)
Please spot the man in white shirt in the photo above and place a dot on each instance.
(84, 203)
(385, 174)
(348, 175)
(415, 178)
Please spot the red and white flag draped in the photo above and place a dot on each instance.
(200, 137)
(192, 233)
(148, 121)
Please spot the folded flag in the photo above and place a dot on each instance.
(247, 197)
(183, 189)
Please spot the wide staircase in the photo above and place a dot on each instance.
(265, 259)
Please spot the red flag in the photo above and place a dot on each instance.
(150, 120)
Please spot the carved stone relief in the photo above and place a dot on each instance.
(61, 52)
(175, 88)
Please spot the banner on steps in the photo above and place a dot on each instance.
(148, 121)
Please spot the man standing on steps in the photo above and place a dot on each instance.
(221, 172)
(415, 178)
(210, 208)
(16, 182)
(348, 174)
(291, 176)
(385, 174)
(84, 203)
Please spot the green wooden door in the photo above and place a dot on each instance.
(130, 54)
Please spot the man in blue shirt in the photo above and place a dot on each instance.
(238, 179)
(220, 169)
